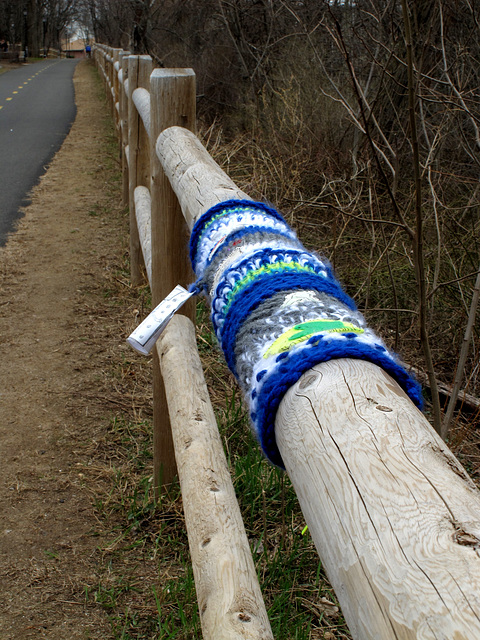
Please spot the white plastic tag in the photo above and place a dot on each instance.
(148, 332)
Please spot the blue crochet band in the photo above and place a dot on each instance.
(277, 309)
(224, 208)
(291, 370)
(262, 289)
(275, 262)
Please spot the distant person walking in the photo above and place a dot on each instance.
(88, 50)
(3, 45)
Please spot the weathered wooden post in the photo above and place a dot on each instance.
(116, 87)
(173, 102)
(102, 60)
(394, 517)
(115, 69)
(104, 68)
(106, 76)
(124, 125)
(139, 70)
(109, 70)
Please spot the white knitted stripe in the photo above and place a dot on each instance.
(212, 238)
(244, 251)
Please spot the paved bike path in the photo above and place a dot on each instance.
(37, 108)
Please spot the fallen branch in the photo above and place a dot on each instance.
(465, 400)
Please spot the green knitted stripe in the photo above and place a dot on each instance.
(268, 269)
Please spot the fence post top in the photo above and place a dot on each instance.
(171, 73)
(138, 57)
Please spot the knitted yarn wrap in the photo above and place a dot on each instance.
(277, 309)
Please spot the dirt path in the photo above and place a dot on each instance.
(52, 371)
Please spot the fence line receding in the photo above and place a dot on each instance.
(394, 516)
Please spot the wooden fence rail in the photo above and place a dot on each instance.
(394, 516)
